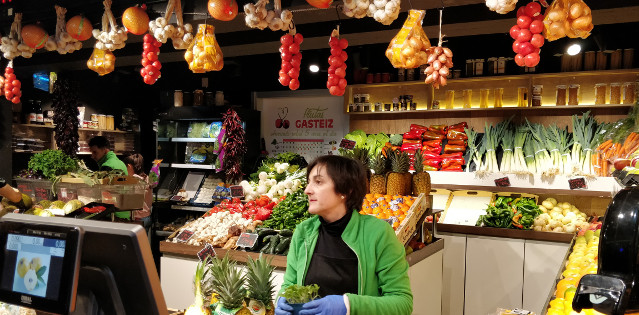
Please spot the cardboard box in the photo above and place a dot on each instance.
(408, 227)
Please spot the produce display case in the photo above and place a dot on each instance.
(123, 192)
(37, 189)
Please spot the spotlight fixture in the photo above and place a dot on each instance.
(313, 68)
(573, 49)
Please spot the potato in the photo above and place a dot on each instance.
(566, 205)
(547, 204)
(552, 200)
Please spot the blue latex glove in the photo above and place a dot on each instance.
(328, 305)
(282, 307)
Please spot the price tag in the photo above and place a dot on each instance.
(176, 198)
(347, 144)
(247, 240)
(577, 183)
(237, 191)
(208, 250)
(502, 182)
(184, 236)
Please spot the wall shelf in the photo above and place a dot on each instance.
(193, 139)
(192, 166)
(475, 109)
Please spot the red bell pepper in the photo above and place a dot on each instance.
(438, 128)
(454, 168)
(460, 125)
(458, 142)
(418, 127)
(452, 155)
(456, 134)
(413, 134)
(449, 148)
(435, 150)
(430, 155)
(432, 135)
(430, 168)
(411, 141)
(411, 146)
(432, 143)
(432, 163)
(447, 162)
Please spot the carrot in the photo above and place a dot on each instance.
(605, 144)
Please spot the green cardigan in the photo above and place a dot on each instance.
(384, 287)
(111, 160)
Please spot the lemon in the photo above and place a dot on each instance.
(23, 267)
(35, 264)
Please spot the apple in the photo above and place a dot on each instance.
(621, 163)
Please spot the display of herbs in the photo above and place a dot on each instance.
(289, 212)
(65, 117)
(298, 294)
(506, 212)
(234, 146)
(52, 163)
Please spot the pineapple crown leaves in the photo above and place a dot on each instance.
(228, 282)
(259, 279)
(378, 164)
(400, 162)
(418, 164)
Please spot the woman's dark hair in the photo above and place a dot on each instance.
(348, 175)
(137, 162)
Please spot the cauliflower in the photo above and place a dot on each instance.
(263, 176)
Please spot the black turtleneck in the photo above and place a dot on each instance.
(333, 265)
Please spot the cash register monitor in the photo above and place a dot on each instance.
(115, 272)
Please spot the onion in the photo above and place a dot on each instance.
(442, 80)
(411, 62)
(429, 70)
(415, 43)
(449, 63)
(448, 53)
(442, 58)
(438, 50)
(555, 15)
(436, 65)
(576, 10)
(557, 29)
(443, 71)
(582, 23)
(432, 58)
(429, 79)
(408, 51)
(435, 75)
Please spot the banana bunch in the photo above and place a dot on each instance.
(111, 37)
(12, 45)
(181, 34)
(63, 43)
(257, 16)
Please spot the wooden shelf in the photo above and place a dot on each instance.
(194, 166)
(190, 208)
(506, 233)
(79, 129)
(239, 256)
(193, 139)
(538, 108)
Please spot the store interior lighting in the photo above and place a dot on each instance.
(573, 49)
(313, 68)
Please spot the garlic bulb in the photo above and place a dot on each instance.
(257, 16)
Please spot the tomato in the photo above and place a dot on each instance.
(286, 55)
(286, 40)
(16, 83)
(537, 26)
(340, 72)
(531, 60)
(15, 100)
(147, 46)
(297, 57)
(143, 72)
(286, 66)
(15, 90)
(524, 36)
(514, 31)
(342, 84)
(145, 62)
(298, 38)
(524, 21)
(532, 9)
(331, 70)
(8, 95)
(328, 85)
(157, 45)
(294, 84)
(537, 40)
(284, 79)
(294, 73)
(539, 17)
(149, 79)
(526, 48)
(335, 52)
(334, 90)
(148, 38)
(519, 60)
(333, 42)
(152, 56)
(343, 43)
(516, 45)
(521, 11)
(151, 70)
(296, 63)
(157, 65)
(333, 79)
(10, 76)
(344, 56)
(294, 49)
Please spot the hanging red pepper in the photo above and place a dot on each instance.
(448, 162)
(460, 125)
(449, 148)
(458, 142)
(418, 127)
(432, 135)
(434, 150)
(455, 134)
(413, 134)
(438, 128)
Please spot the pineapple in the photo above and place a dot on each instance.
(399, 180)
(259, 281)
(228, 284)
(421, 179)
(378, 180)
(198, 308)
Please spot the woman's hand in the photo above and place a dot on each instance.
(283, 308)
(328, 305)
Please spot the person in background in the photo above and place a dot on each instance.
(356, 260)
(135, 167)
(101, 153)
(9, 192)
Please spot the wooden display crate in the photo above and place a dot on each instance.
(441, 199)
(409, 225)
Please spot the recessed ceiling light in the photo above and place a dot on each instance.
(573, 49)
(313, 68)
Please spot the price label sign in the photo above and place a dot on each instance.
(247, 240)
(176, 198)
(208, 250)
(237, 191)
(577, 183)
(347, 144)
(184, 236)
(502, 182)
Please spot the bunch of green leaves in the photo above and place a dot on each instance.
(375, 143)
(528, 209)
(499, 214)
(298, 294)
(52, 163)
(290, 212)
(359, 136)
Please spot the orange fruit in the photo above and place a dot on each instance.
(79, 28)
(135, 20)
(562, 285)
(34, 36)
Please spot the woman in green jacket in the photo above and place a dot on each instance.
(355, 259)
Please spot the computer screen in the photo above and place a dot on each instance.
(115, 271)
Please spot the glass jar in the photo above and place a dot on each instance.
(410, 74)
(412, 106)
(387, 107)
(366, 107)
(628, 57)
(379, 107)
(479, 66)
(178, 98)
(94, 117)
(499, 97)
(522, 96)
(600, 93)
(435, 104)
(110, 122)
(467, 95)
(615, 59)
(102, 122)
(615, 93)
(601, 60)
(209, 99)
(219, 98)
(470, 67)
(536, 94)
(562, 92)
(401, 72)
(449, 102)
(365, 98)
(629, 92)
(198, 97)
(483, 98)
(491, 66)
(370, 78)
(573, 94)
(377, 78)
(385, 77)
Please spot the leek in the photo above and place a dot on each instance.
(473, 150)
(529, 157)
(521, 166)
(543, 162)
(507, 159)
